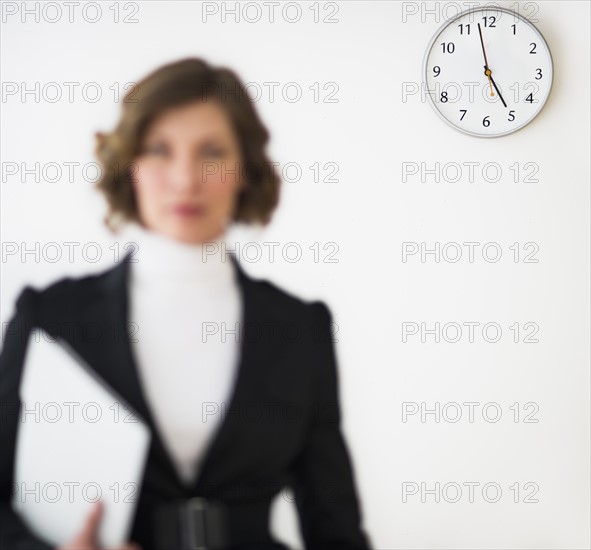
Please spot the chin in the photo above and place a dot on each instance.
(190, 235)
(187, 238)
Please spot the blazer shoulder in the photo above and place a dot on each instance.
(280, 298)
(62, 294)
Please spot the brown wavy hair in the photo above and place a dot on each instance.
(174, 84)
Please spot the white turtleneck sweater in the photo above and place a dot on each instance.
(185, 304)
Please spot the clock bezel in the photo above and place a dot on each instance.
(450, 22)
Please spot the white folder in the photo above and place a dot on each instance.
(77, 440)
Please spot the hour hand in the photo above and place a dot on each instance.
(496, 87)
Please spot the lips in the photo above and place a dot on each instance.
(188, 210)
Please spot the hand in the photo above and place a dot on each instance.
(86, 539)
(487, 71)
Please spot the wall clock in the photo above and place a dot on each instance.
(488, 72)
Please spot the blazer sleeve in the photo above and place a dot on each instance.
(14, 534)
(323, 480)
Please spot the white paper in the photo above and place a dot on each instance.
(76, 439)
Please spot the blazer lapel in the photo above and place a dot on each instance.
(123, 374)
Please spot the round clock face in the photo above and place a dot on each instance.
(488, 72)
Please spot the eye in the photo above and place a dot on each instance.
(214, 151)
(155, 149)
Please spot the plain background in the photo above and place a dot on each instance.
(368, 212)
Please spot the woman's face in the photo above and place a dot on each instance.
(188, 173)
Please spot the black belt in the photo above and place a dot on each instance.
(201, 524)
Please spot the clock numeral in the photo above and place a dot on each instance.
(535, 89)
(443, 98)
(436, 70)
(538, 74)
(511, 116)
(514, 27)
(492, 23)
(449, 47)
(533, 47)
(463, 111)
(485, 121)
(462, 28)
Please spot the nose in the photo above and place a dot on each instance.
(185, 174)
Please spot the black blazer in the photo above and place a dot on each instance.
(287, 382)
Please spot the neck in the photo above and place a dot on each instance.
(160, 256)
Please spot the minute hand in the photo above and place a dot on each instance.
(482, 44)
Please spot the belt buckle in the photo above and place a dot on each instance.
(194, 510)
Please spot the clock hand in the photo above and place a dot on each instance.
(487, 71)
(497, 89)
(482, 43)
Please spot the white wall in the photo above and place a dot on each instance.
(369, 212)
